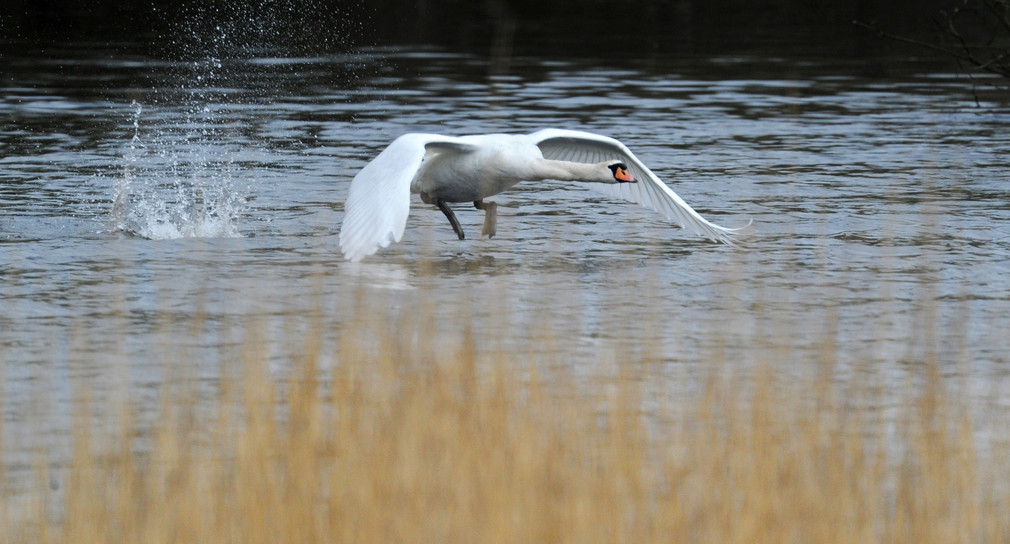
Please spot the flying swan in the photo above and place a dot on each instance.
(445, 169)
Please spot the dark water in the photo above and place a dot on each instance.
(139, 194)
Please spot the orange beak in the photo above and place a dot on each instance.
(623, 175)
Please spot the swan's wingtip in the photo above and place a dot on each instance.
(732, 236)
(354, 252)
(746, 230)
(355, 255)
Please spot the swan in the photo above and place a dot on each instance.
(446, 169)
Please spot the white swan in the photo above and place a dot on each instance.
(445, 169)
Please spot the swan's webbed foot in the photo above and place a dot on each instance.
(490, 216)
(451, 217)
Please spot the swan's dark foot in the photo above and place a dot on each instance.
(490, 216)
(451, 217)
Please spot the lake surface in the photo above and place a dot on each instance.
(151, 209)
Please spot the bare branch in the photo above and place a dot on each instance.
(986, 16)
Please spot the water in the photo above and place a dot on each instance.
(139, 195)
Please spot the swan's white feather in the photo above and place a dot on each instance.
(650, 191)
(378, 202)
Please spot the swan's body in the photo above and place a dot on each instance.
(446, 169)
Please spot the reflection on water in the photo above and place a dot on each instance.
(131, 209)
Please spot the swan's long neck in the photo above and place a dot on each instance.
(570, 171)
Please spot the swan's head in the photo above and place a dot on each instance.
(621, 173)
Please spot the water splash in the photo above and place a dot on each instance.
(182, 169)
(179, 184)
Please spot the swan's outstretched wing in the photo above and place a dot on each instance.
(650, 191)
(378, 201)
